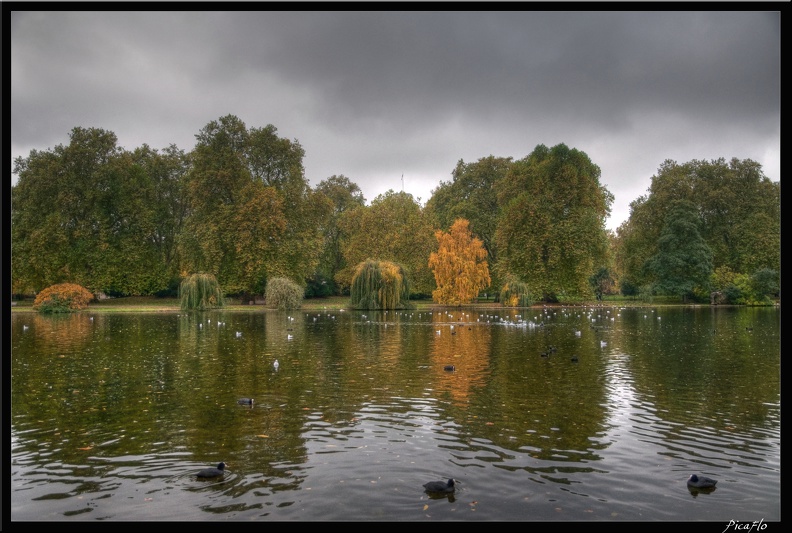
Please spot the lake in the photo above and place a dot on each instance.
(569, 414)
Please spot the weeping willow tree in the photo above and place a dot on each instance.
(379, 285)
(515, 293)
(283, 293)
(200, 292)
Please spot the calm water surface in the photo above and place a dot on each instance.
(113, 414)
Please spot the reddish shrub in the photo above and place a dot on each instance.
(62, 298)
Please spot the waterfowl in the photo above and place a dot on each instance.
(700, 482)
(449, 368)
(543, 354)
(275, 365)
(245, 401)
(440, 486)
(208, 473)
(574, 359)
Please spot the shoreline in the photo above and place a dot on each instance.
(152, 304)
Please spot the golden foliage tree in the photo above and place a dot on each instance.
(459, 266)
(62, 298)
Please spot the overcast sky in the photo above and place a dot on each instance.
(380, 95)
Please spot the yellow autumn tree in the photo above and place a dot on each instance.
(459, 265)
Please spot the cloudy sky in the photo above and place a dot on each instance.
(393, 100)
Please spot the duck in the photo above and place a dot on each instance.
(275, 365)
(440, 486)
(245, 401)
(574, 359)
(449, 368)
(209, 473)
(700, 482)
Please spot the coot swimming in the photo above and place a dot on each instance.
(208, 473)
(700, 482)
(440, 486)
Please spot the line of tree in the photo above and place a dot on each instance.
(239, 207)
(710, 230)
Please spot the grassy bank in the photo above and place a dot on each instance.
(333, 303)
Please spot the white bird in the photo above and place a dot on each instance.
(275, 365)
(289, 336)
(238, 333)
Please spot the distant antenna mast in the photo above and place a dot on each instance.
(402, 182)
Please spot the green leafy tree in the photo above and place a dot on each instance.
(551, 231)
(214, 186)
(602, 282)
(167, 200)
(251, 213)
(683, 260)
(278, 163)
(721, 277)
(471, 194)
(343, 196)
(393, 228)
(84, 213)
(738, 207)
(628, 288)
(765, 282)
(459, 265)
(740, 212)
(40, 239)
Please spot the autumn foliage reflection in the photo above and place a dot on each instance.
(462, 342)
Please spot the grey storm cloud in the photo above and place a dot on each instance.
(380, 95)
